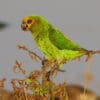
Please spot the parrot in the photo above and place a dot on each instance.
(54, 44)
(51, 41)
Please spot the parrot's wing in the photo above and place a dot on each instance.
(61, 41)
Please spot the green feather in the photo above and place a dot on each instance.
(53, 43)
(61, 41)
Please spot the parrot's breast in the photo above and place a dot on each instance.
(47, 48)
(52, 52)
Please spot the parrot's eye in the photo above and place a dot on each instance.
(29, 21)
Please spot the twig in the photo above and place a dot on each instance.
(31, 54)
(2, 81)
(19, 66)
(91, 53)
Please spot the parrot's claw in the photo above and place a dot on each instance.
(47, 63)
(53, 65)
(44, 61)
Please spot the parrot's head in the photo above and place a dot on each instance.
(35, 24)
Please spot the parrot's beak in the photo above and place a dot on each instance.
(25, 27)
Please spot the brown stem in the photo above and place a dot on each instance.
(96, 52)
(35, 55)
(91, 53)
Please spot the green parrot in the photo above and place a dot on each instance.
(52, 42)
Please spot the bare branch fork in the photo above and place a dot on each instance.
(91, 53)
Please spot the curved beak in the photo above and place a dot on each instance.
(25, 27)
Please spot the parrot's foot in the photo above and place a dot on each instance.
(47, 63)
(52, 65)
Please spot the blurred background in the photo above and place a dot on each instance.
(79, 19)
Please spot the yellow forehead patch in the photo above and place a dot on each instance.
(26, 18)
